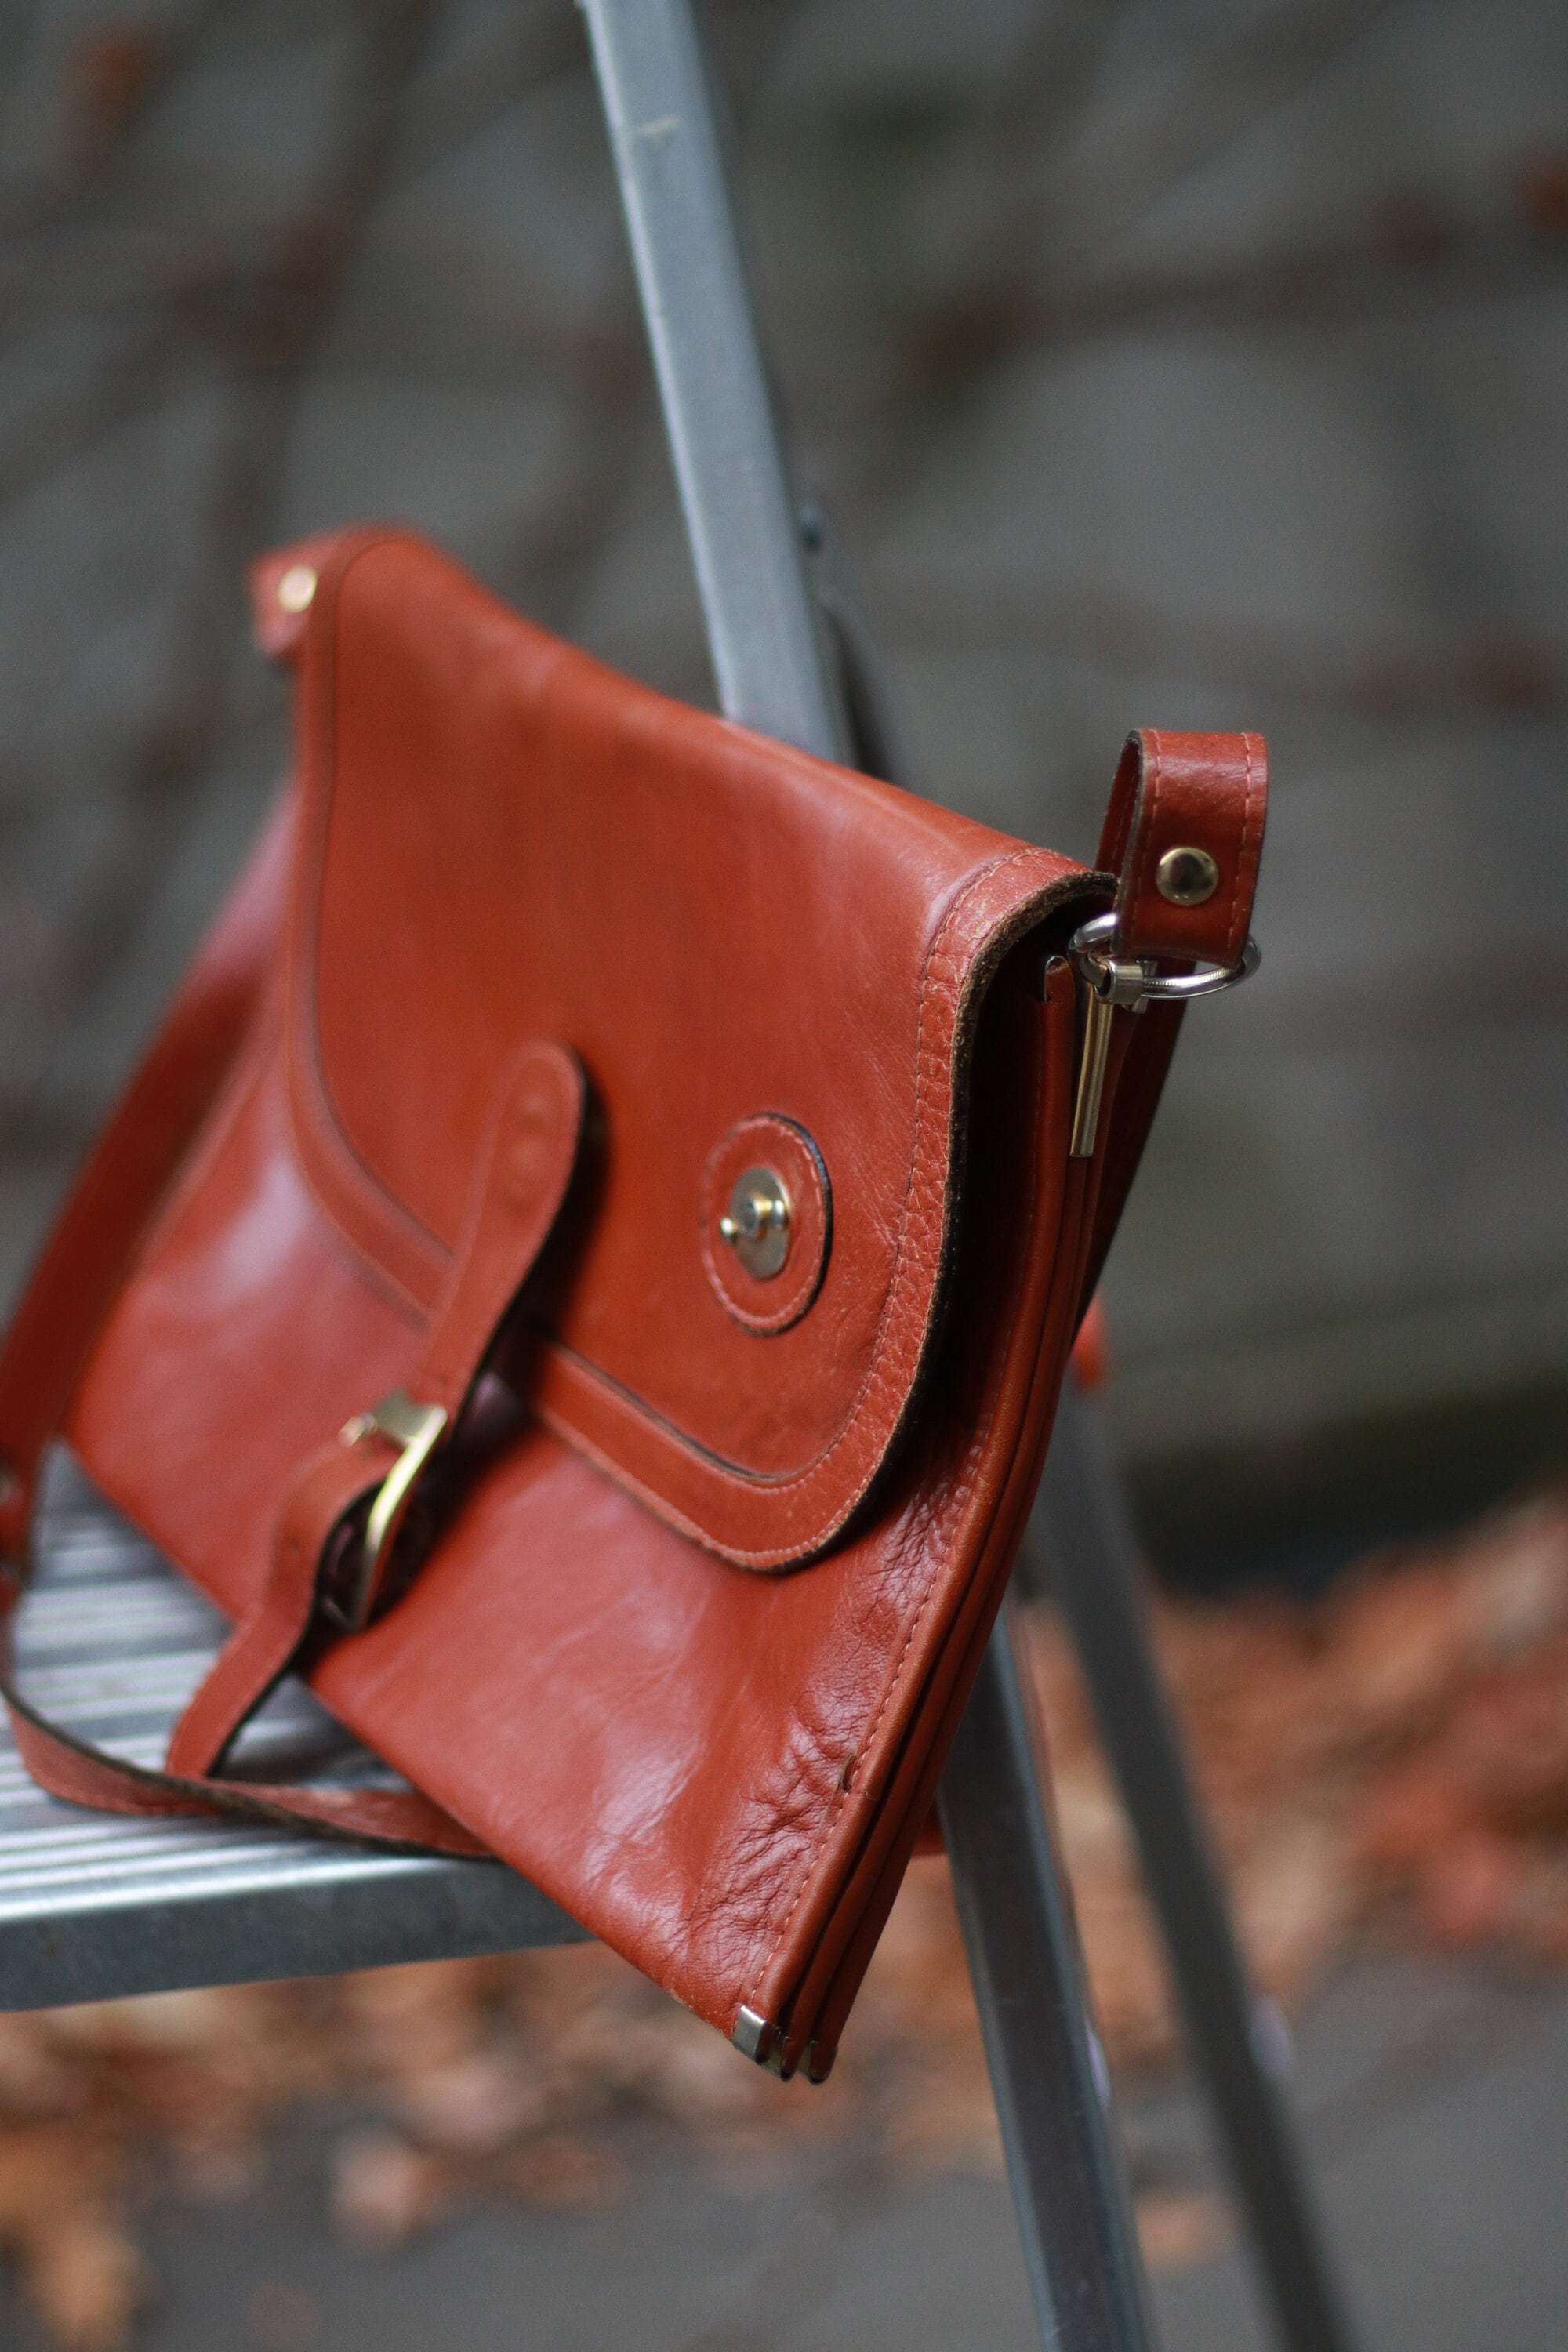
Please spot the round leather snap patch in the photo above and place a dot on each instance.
(767, 1204)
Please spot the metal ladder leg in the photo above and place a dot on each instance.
(1085, 1532)
(1048, 2069)
(768, 658)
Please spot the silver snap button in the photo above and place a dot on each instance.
(756, 1224)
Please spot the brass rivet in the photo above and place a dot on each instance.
(756, 1224)
(1186, 877)
(296, 588)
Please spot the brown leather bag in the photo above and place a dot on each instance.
(584, 1273)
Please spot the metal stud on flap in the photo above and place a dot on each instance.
(297, 587)
(756, 1223)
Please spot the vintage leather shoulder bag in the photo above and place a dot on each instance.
(584, 1272)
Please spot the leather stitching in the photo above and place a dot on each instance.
(894, 1358)
(1147, 827)
(954, 1500)
(1253, 804)
(1241, 852)
(790, 1308)
(890, 1367)
(317, 1124)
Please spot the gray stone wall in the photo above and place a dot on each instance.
(1181, 361)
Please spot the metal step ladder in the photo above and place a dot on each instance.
(112, 1642)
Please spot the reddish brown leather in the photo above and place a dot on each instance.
(266, 1642)
(768, 1303)
(696, 890)
(1171, 791)
(525, 1172)
(63, 1308)
(719, 1772)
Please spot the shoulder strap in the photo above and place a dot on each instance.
(52, 1336)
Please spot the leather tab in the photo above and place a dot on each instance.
(525, 1173)
(1178, 791)
(262, 1646)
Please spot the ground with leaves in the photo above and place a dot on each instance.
(1392, 1761)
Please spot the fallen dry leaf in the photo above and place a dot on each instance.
(282, 2317)
(86, 2279)
(383, 2189)
(60, 2222)
(569, 2175)
(1179, 2228)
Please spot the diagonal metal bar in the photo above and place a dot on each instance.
(763, 631)
(1086, 1533)
(1048, 2069)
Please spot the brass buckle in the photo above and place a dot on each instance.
(416, 1429)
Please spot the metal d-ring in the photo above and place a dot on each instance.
(1128, 983)
(1128, 979)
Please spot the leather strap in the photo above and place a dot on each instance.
(398, 1818)
(517, 1198)
(75, 1283)
(69, 1299)
(1179, 792)
(267, 1640)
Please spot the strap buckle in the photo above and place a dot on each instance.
(1131, 979)
(416, 1430)
(1130, 982)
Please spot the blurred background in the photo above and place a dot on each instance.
(1184, 362)
(1165, 362)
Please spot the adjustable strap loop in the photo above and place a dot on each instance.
(1184, 835)
(69, 1297)
(330, 1554)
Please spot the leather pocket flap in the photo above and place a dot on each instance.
(769, 967)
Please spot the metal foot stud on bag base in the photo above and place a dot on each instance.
(754, 2036)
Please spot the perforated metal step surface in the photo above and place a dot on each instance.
(111, 1642)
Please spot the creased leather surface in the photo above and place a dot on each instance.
(502, 837)
(721, 1773)
(688, 1756)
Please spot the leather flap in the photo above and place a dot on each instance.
(502, 840)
